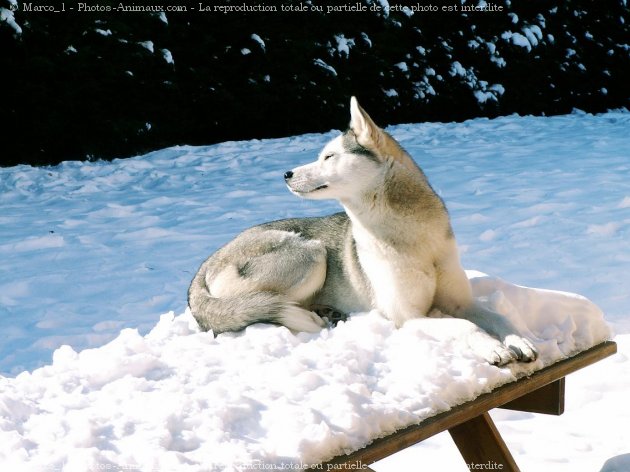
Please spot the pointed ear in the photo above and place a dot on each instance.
(367, 133)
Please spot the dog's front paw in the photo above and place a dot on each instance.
(500, 355)
(522, 348)
(491, 349)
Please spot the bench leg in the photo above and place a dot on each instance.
(479, 442)
(548, 400)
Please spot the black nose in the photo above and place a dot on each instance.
(288, 174)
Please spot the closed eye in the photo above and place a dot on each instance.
(328, 156)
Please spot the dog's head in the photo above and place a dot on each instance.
(349, 164)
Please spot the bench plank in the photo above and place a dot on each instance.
(383, 447)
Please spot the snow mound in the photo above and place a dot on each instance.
(179, 399)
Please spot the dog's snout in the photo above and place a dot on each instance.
(288, 174)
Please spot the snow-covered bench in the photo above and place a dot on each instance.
(181, 399)
(470, 425)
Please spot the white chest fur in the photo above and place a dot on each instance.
(403, 282)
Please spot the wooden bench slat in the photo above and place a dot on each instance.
(383, 447)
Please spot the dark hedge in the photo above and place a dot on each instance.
(81, 85)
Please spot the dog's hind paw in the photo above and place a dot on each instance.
(522, 348)
(329, 314)
(298, 319)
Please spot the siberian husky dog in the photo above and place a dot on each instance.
(392, 250)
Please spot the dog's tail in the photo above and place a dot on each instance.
(234, 313)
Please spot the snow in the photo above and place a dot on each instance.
(518, 39)
(498, 88)
(480, 89)
(457, 69)
(148, 45)
(323, 65)
(343, 45)
(168, 56)
(424, 88)
(265, 395)
(488, 93)
(367, 39)
(259, 40)
(90, 249)
(384, 4)
(499, 61)
(533, 34)
(9, 17)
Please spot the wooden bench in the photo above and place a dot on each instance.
(470, 425)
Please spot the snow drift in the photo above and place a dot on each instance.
(89, 248)
(179, 399)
